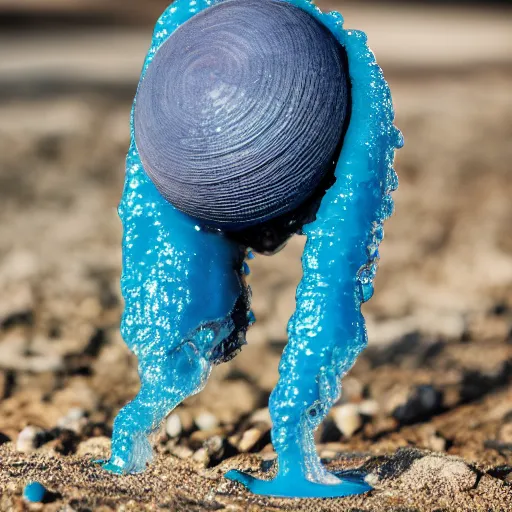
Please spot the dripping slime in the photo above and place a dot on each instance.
(236, 145)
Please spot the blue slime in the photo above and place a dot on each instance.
(181, 284)
(34, 492)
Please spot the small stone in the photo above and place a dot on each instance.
(249, 439)
(199, 437)
(27, 439)
(183, 452)
(267, 452)
(201, 455)
(436, 443)
(214, 443)
(369, 408)
(347, 419)
(214, 446)
(18, 306)
(34, 492)
(77, 394)
(328, 454)
(380, 425)
(173, 425)
(90, 308)
(261, 416)
(206, 421)
(3, 385)
(74, 420)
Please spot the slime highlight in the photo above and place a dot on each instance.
(187, 306)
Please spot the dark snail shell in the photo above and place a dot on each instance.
(241, 111)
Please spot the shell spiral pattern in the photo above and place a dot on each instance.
(241, 112)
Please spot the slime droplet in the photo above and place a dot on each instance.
(34, 492)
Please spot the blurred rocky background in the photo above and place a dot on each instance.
(427, 410)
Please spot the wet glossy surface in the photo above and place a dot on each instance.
(177, 278)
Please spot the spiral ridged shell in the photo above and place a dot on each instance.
(241, 111)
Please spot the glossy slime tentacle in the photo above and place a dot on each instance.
(180, 286)
(327, 331)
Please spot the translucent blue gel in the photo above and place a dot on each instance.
(181, 284)
(34, 492)
(327, 331)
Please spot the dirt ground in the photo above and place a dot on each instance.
(426, 411)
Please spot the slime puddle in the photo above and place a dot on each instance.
(187, 305)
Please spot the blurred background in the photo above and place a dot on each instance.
(437, 373)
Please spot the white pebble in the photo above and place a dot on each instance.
(201, 456)
(173, 425)
(26, 441)
(261, 416)
(369, 407)
(249, 439)
(347, 419)
(206, 421)
(74, 420)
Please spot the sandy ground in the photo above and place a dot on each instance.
(426, 411)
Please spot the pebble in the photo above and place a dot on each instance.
(78, 394)
(74, 420)
(214, 446)
(328, 431)
(436, 443)
(327, 454)
(431, 439)
(261, 416)
(183, 452)
(27, 439)
(249, 439)
(201, 455)
(97, 429)
(206, 421)
(268, 453)
(199, 437)
(369, 408)
(347, 419)
(173, 425)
